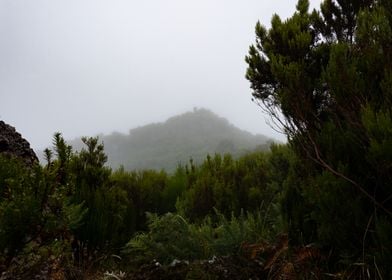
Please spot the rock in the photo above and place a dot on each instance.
(12, 144)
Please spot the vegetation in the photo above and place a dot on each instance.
(79, 212)
(325, 77)
(318, 207)
(164, 145)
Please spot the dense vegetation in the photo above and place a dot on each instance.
(326, 78)
(163, 145)
(79, 213)
(319, 207)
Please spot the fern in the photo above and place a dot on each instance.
(75, 214)
(172, 237)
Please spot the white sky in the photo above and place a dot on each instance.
(82, 67)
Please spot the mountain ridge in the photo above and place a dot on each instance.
(164, 145)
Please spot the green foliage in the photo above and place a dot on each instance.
(35, 217)
(225, 184)
(108, 213)
(168, 237)
(31, 205)
(224, 205)
(75, 214)
(171, 237)
(176, 185)
(325, 77)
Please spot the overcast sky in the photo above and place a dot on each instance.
(82, 67)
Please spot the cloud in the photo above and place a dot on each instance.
(87, 66)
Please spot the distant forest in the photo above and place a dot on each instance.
(192, 135)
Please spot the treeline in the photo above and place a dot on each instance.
(95, 203)
(77, 209)
(163, 145)
(82, 216)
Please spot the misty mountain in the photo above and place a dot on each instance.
(191, 135)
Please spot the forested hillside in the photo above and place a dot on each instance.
(192, 135)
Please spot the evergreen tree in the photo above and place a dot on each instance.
(325, 77)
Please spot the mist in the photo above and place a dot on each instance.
(83, 67)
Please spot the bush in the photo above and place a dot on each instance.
(171, 237)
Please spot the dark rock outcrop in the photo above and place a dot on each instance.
(14, 145)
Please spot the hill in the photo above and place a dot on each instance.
(164, 145)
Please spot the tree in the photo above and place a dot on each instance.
(91, 181)
(325, 77)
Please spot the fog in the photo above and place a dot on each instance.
(82, 67)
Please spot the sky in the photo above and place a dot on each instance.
(83, 67)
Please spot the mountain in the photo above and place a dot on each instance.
(164, 145)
